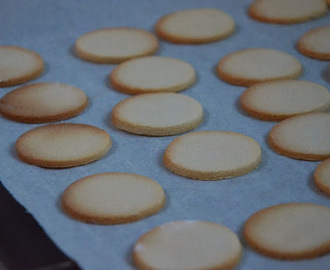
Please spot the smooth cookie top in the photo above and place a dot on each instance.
(302, 137)
(19, 65)
(212, 155)
(43, 102)
(322, 176)
(287, 11)
(152, 74)
(290, 231)
(278, 100)
(188, 245)
(62, 145)
(195, 26)
(249, 66)
(113, 198)
(115, 45)
(160, 114)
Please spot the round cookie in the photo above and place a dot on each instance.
(160, 114)
(212, 155)
(188, 245)
(19, 65)
(278, 100)
(43, 102)
(322, 176)
(290, 231)
(316, 43)
(249, 66)
(287, 11)
(115, 44)
(152, 74)
(302, 137)
(194, 26)
(62, 145)
(113, 198)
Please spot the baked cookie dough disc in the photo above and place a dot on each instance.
(304, 137)
(211, 155)
(275, 101)
(18, 65)
(290, 231)
(152, 74)
(43, 102)
(322, 176)
(160, 114)
(113, 198)
(115, 45)
(316, 43)
(287, 11)
(62, 145)
(195, 26)
(250, 66)
(188, 245)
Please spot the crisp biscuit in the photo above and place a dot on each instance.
(322, 176)
(304, 137)
(287, 11)
(160, 114)
(113, 198)
(19, 65)
(152, 74)
(188, 245)
(62, 145)
(278, 100)
(316, 43)
(43, 102)
(212, 155)
(115, 44)
(249, 66)
(292, 231)
(194, 26)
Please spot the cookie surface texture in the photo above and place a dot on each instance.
(195, 26)
(62, 145)
(152, 74)
(249, 66)
(303, 137)
(290, 231)
(278, 100)
(212, 155)
(316, 43)
(188, 245)
(43, 102)
(115, 45)
(160, 114)
(113, 198)
(19, 65)
(322, 176)
(287, 11)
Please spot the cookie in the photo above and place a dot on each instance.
(188, 245)
(160, 114)
(115, 44)
(278, 100)
(212, 155)
(152, 74)
(113, 198)
(194, 26)
(304, 137)
(290, 231)
(322, 176)
(43, 102)
(287, 11)
(62, 145)
(316, 43)
(249, 66)
(19, 65)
